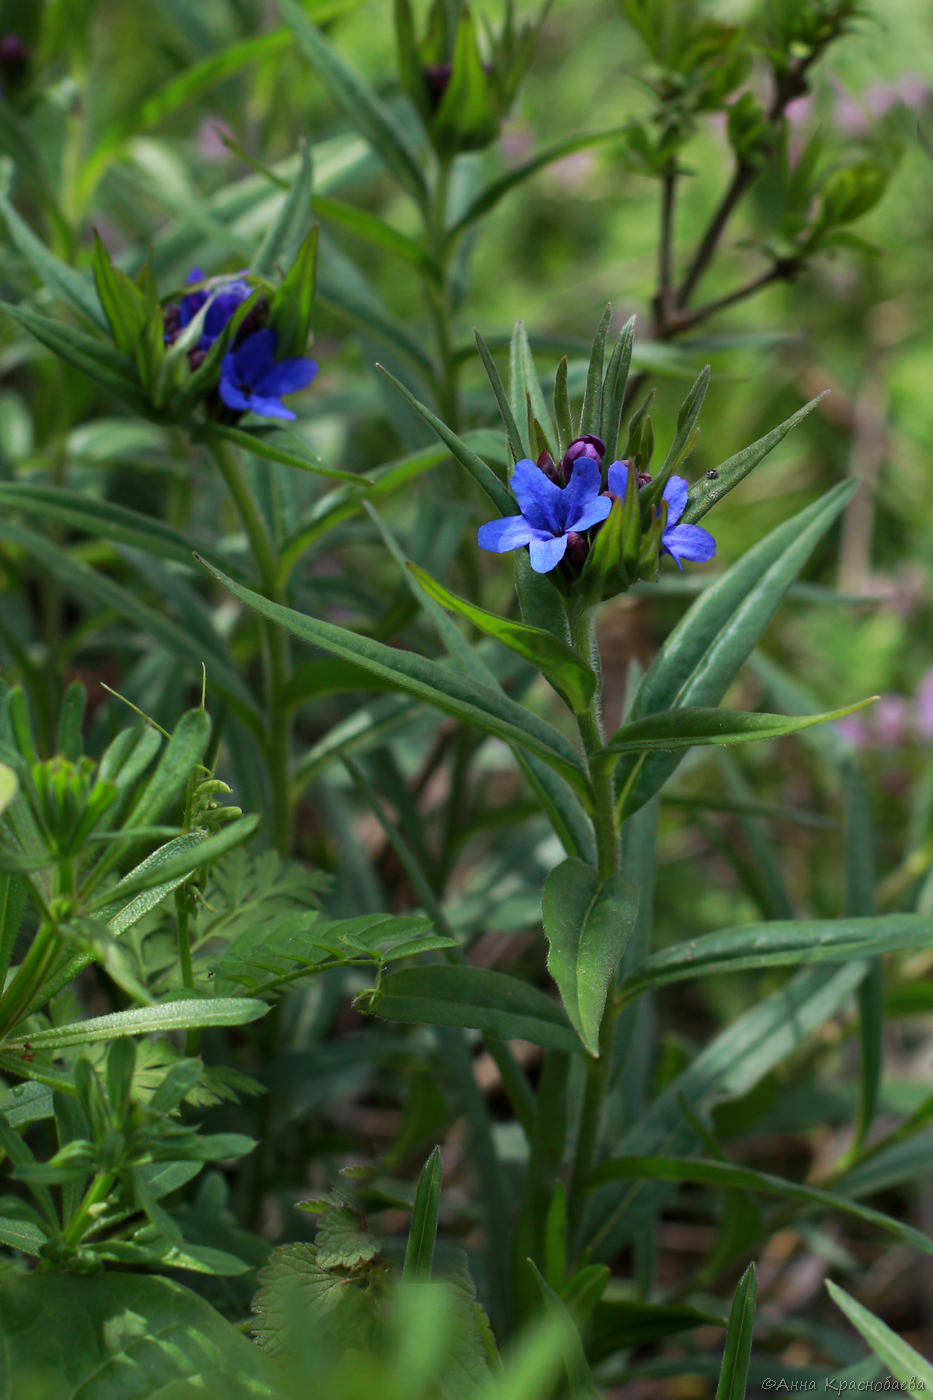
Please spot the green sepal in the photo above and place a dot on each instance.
(604, 573)
(290, 316)
(124, 304)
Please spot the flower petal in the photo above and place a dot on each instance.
(269, 407)
(675, 493)
(539, 497)
(546, 553)
(288, 376)
(232, 394)
(617, 478)
(499, 536)
(584, 486)
(256, 356)
(688, 542)
(592, 513)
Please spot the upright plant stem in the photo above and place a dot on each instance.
(278, 729)
(582, 635)
(438, 291)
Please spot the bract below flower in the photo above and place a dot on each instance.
(253, 381)
(679, 541)
(549, 513)
(224, 301)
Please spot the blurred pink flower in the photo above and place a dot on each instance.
(923, 708)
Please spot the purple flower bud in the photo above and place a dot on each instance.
(437, 78)
(578, 547)
(588, 446)
(550, 468)
(14, 58)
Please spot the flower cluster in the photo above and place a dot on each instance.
(252, 380)
(560, 502)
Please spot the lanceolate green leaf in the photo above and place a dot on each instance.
(154, 1020)
(359, 102)
(781, 942)
(587, 922)
(728, 1174)
(277, 445)
(682, 728)
(76, 290)
(281, 243)
(482, 474)
(905, 1364)
(706, 649)
(419, 1252)
(738, 1059)
(477, 997)
(472, 701)
(722, 479)
(569, 675)
(738, 1349)
(92, 356)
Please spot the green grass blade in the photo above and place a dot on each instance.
(905, 1364)
(738, 1350)
(419, 1251)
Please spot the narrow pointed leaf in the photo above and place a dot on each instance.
(76, 290)
(152, 1020)
(682, 728)
(733, 1376)
(570, 676)
(587, 922)
(614, 387)
(482, 474)
(718, 483)
(358, 101)
(592, 410)
(91, 355)
(905, 1364)
(472, 701)
(477, 997)
(419, 1251)
(284, 238)
(705, 651)
(516, 447)
(731, 1176)
(777, 943)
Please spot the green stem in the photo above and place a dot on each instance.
(83, 1217)
(581, 619)
(30, 977)
(278, 727)
(438, 292)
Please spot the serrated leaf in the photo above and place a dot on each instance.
(587, 922)
(342, 1241)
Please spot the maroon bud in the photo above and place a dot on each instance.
(550, 468)
(14, 58)
(588, 446)
(255, 321)
(578, 547)
(196, 358)
(171, 321)
(643, 479)
(437, 78)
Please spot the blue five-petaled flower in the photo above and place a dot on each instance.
(679, 541)
(549, 513)
(253, 381)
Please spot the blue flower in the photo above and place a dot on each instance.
(549, 513)
(679, 541)
(253, 381)
(224, 301)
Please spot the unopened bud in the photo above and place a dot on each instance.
(587, 446)
(550, 468)
(14, 59)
